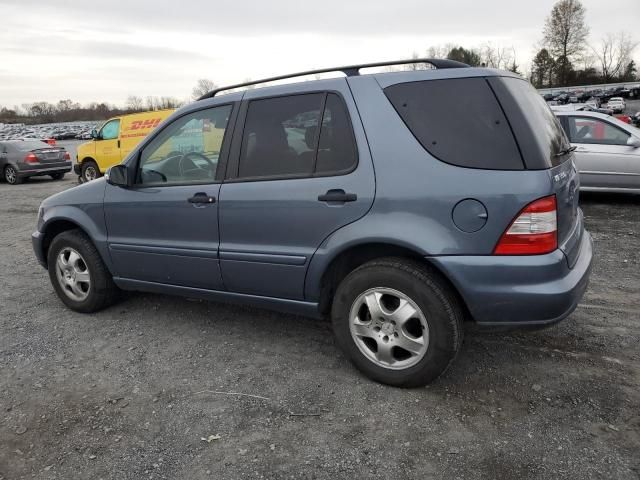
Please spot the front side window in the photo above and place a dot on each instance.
(110, 130)
(282, 137)
(595, 131)
(187, 150)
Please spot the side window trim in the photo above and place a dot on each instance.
(316, 140)
(233, 165)
(222, 159)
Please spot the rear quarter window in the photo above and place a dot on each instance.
(458, 121)
(538, 131)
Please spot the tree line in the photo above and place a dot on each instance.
(565, 57)
(70, 111)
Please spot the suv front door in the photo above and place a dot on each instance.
(164, 229)
(299, 170)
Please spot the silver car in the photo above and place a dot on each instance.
(607, 151)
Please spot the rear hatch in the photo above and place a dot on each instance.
(544, 146)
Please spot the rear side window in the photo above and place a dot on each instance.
(297, 136)
(595, 131)
(458, 121)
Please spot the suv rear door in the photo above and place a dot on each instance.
(290, 184)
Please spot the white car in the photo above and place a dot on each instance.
(616, 104)
(607, 151)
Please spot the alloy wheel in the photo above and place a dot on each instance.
(389, 328)
(10, 175)
(73, 274)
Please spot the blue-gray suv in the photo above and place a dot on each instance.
(400, 204)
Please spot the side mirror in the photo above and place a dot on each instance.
(634, 142)
(118, 175)
(94, 134)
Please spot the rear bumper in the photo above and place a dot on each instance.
(45, 169)
(520, 290)
(76, 169)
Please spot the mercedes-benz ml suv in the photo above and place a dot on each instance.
(399, 204)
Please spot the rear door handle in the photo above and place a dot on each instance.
(202, 197)
(337, 195)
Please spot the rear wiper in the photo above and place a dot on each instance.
(565, 151)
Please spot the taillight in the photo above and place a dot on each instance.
(31, 158)
(67, 156)
(533, 232)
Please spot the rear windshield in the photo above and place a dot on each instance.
(458, 121)
(28, 145)
(538, 131)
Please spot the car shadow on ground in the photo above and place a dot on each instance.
(308, 343)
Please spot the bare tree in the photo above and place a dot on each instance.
(440, 51)
(204, 85)
(614, 54)
(135, 103)
(497, 56)
(565, 34)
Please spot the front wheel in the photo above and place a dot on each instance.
(89, 171)
(78, 273)
(398, 321)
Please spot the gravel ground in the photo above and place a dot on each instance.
(131, 392)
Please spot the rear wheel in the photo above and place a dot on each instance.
(11, 175)
(398, 321)
(78, 273)
(89, 171)
(57, 175)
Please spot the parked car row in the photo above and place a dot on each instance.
(598, 95)
(56, 131)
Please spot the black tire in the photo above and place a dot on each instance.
(102, 292)
(10, 175)
(88, 169)
(57, 175)
(441, 308)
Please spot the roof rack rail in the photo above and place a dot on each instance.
(349, 71)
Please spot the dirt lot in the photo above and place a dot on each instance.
(130, 392)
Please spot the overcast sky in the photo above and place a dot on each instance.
(105, 51)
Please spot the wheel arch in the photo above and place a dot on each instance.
(59, 224)
(353, 256)
(88, 159)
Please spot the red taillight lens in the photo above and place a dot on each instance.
(533, 232)
(67, 156)
(31, 158)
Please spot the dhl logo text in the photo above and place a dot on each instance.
(143, 124)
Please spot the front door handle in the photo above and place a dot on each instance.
(338, 196)
(202, 197)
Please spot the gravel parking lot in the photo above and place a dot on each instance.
(160, 387)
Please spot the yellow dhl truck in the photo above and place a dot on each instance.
(115, 139)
